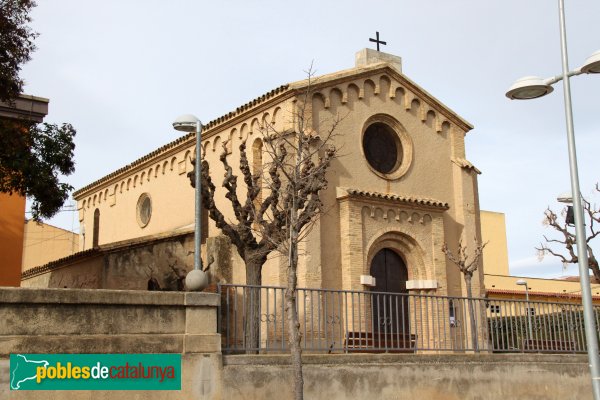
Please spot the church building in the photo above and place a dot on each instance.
(401, 188)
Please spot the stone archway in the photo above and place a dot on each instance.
(402, 244)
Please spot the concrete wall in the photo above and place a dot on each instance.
(121, 265)
(440, 377)
(108, 321)
(83, 274)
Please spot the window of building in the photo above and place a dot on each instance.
(531, 311)
(144, 209)
(386, 146)
(495, 309)
(96, 228)
(382, 148)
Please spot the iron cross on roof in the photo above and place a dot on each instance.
(377, 40)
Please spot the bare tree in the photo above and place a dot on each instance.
(569, 240)
(280, 205)
(303, 157)
(467, 266)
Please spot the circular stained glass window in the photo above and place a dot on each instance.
(144, 209)
(382, 148)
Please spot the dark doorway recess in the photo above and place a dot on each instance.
(390, 311)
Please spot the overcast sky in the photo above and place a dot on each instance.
(121, 71)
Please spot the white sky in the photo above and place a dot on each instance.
(121, 71)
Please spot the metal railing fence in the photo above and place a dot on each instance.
(336, 321)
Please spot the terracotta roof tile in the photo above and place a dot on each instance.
(541, 294)
(104, 248)
(466, 164)
(56, 263)
(402, 199)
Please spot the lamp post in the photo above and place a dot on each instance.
(523, 282)
(196, 279)
(532, 87)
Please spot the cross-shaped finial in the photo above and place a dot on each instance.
(377, 40)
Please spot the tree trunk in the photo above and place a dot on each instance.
(251, 302)
(292, 310)
(593, 264)
(472, 312)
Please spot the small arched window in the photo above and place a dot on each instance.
(96, 228)
(257, 166)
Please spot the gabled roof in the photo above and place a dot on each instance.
(337, 77)
(281, 93)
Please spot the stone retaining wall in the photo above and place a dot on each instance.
(404, 376)
(113, 321)
(120, 321)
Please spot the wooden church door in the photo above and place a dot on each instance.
(390, 312)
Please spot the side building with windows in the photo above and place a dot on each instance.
(401, 188)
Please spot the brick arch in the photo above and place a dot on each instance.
(276, 119)
(401, 243)
(369, 89)
(352, 93)
(318, 104)
(385, 83)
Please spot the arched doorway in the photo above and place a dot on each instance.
(390, 311)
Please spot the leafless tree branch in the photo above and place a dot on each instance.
(568, 239)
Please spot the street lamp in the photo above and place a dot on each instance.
(523, 282)
(196, 279)
(567, 198)
(531, 88)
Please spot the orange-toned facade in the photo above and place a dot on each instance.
(12, 217)
(12, 207)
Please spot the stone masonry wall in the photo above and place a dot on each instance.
(113, 321)
(124, 321)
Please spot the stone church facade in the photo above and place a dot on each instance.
(400, 189)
